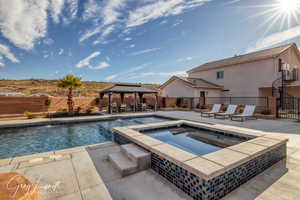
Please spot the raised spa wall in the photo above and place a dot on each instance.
(206, 187)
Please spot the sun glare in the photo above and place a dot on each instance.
(280, 13)
(288, 6)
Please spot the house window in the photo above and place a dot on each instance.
(220, 75)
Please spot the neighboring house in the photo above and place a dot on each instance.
(270, 72)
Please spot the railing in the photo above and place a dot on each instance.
(261, 102)
(288, 108)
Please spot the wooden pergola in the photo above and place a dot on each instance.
(127, 88)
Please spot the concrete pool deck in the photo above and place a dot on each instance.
(277, 182)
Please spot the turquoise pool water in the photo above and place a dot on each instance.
(194, 140)
(25, 141)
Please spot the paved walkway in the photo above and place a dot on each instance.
(281, 181)
(83, 173)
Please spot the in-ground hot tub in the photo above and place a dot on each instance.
(206, 161)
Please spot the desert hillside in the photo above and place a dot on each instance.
(42, 86)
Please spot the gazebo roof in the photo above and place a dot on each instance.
(128, 88)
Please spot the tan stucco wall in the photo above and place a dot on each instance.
(178, 88)
(244, 79)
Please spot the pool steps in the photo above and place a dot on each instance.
(131, 159)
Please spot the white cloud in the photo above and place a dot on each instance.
(188, 58)
(159, 9)
(127, 72)
(276, 38)
(164, 21)
(2, 64)
(105, 15)
(91, 10)
(86, 61)
(61, 51)
(232, 2)
(137, 68)
(132, 46)
(5, 51)
(56, 9)
(90, 33)
(111, 77)
(72, 9)
(127, 38)
(23, 22)
(178, 22)
(48, 41)
(164, 74)
(104, 34)
(144, 51)
(102, 65)
(111, 11)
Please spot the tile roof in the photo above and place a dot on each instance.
(194, 82)
(258, 55)
(128, 88)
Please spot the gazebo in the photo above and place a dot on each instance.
(127, 88)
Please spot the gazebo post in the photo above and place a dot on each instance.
(135, 102)
(101, 100)
(141, 97)
(109, 103)
(122, 97)
(156, 102)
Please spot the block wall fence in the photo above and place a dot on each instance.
(18, 105)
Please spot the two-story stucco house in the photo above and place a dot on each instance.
(270, 72)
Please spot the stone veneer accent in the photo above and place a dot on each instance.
(217, 187)
(221, 185)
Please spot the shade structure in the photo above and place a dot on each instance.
(127, 88)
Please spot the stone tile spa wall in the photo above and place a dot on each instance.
(217, 187)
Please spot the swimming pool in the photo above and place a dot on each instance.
(24, 141)
(194, 140)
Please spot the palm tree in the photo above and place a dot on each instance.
(70, 82)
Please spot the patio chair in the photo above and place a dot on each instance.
(144, 107)
(248, 113)
(123, 108)
(114, 107)
(229, 111)
(215, 109)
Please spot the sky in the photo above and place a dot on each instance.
(144, 41)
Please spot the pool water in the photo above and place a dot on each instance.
(196, 141)
(24, 141)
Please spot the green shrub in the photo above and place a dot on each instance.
(97, 101)
(266, 112)
(47, 102)
(63, 109)
(28, 114)
(241, 109)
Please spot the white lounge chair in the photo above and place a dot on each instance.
(229, 111)
(248, 113)
(215, 109)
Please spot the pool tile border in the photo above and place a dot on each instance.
(64, 120)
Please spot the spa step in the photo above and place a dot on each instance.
(141, 157)
(123, 164)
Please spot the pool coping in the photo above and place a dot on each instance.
(64, 120)
(210, 165)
